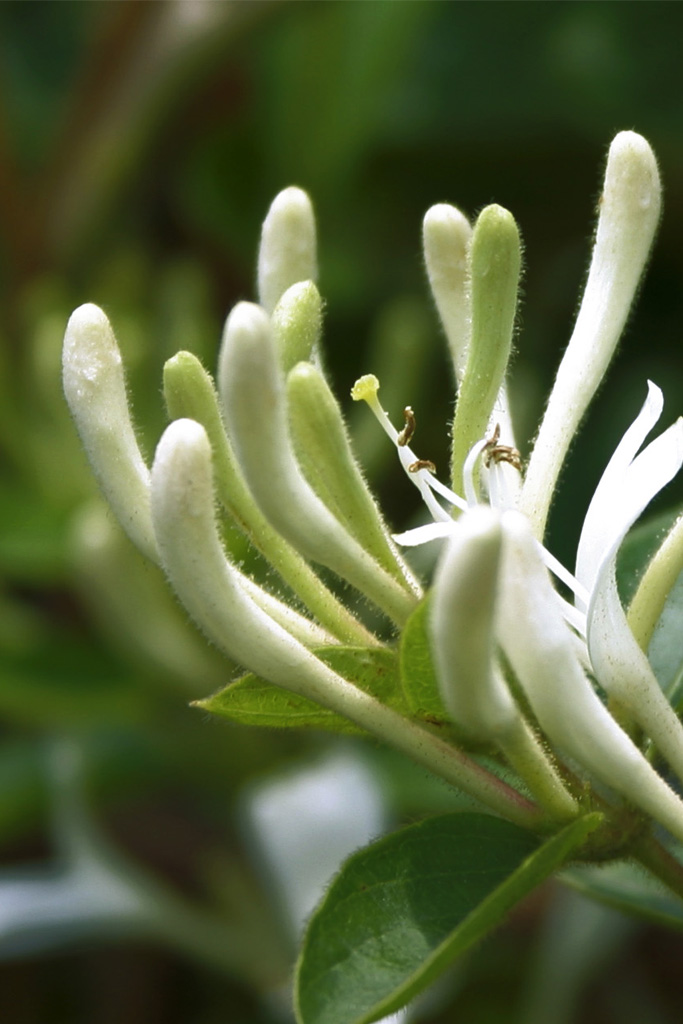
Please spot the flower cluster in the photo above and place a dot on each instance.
(519, 666)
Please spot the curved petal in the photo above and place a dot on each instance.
(605, 510)
(619, 663)
(541, 651)
(623, 670)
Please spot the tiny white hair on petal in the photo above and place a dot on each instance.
(628, 485)
(287, 253)
(95, 389)
(446, 235)
(628, 218)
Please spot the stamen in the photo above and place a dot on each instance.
(494, 452)
(419, 464)
(365, 389)
(406, 434)
(569, 612)
(471, 489)
(420, 473)
(563, 574)
(446, 492)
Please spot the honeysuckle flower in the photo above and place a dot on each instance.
(594, 635)
(468, 577)
(271, 446)
(210, 587)
(538, 644)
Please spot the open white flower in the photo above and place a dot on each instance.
(270, 444)
(550, 643)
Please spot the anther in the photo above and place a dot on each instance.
(419, 464)
(406, 434)
(494, 452)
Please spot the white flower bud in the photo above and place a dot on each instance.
(462, 626)
(629, 214)
(232, 611)
(95, 389)
(446, 235)
(252, 391)
(287, 253)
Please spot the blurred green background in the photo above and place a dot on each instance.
(140, 146)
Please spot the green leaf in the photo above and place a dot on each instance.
(418, 678)
(253, 701)
(404, 908)
(630, 889)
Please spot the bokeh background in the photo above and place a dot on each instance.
(140, 146)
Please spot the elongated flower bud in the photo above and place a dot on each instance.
(252, 391)
(215, 594)
(287, 253)
(462, 624)
(495, 258)
(94, 385)
(629, 214)
(446, 235)
(190, 394)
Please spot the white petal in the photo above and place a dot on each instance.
(619, 663)
(446, 234)
(604, 517)
(207, 584)
(541, 651)
(624, 672)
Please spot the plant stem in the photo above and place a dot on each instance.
(448, 762)
(651, 854)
